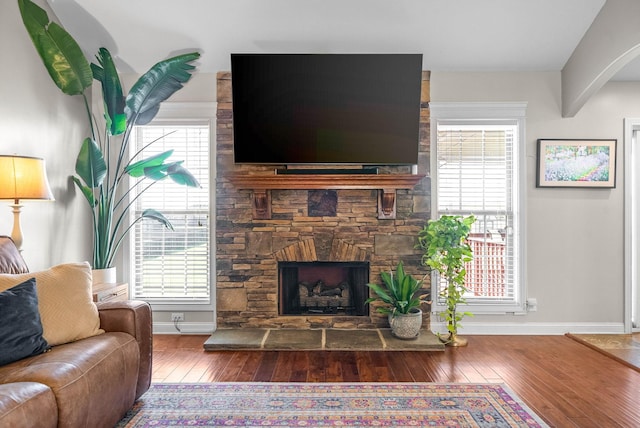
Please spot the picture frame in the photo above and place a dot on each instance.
(576, 163)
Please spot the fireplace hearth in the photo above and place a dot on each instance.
(323, 288)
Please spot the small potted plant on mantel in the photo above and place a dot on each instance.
(444, 242)
(100, 174)
(402, 296)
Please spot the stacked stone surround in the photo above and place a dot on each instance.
(248, 250)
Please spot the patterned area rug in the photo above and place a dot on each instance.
(330, 405)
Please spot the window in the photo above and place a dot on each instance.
(478, 168)
(173, 267)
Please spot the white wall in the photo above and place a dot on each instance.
(574, 239)
(38, 120)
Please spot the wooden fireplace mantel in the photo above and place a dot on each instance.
(386, 184)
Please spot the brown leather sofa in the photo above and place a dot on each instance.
(91, 382)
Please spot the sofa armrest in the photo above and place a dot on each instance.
(11, 260)
(133, 317)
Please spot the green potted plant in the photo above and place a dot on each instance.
(104, 159)
(402, 296)
(445, 247)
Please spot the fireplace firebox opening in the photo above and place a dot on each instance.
(323, 288)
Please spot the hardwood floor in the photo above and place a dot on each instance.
(565, 382)
(622, 347)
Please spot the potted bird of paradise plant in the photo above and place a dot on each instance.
(104, 159)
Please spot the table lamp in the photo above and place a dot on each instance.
(22, 177)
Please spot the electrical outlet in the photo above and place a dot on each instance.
(532, 304)
(177, 316)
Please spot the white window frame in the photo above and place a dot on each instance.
(469, 113)
(631, 225)
(183, 113)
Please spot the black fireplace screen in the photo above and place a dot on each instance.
(323, 288)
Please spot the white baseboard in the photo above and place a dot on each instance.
(532, 328)
(185, 328)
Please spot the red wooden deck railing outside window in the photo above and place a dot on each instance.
(486, 272)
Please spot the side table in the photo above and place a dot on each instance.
(110, 292)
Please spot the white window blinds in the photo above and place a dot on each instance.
(475, 176)
(172, 267)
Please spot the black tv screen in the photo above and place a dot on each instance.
(326, 108)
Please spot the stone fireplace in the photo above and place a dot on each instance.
(340, 229)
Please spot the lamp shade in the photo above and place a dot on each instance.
(23, 177)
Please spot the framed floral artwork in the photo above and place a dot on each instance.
(576, 163)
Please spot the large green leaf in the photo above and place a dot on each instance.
(137, 169)
(182, 176)
(90, 164)
(155, 169)
(175, 171)
(61, 55)
(381, 293)
(156, 85)
(86, 191)
(112, 96)
(157, 216)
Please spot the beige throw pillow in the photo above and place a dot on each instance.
(65, 302)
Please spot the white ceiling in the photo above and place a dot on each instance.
(452, 35)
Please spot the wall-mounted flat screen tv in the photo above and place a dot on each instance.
(292, 109)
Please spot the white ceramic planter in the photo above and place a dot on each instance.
(104, 276)
(406, 326)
